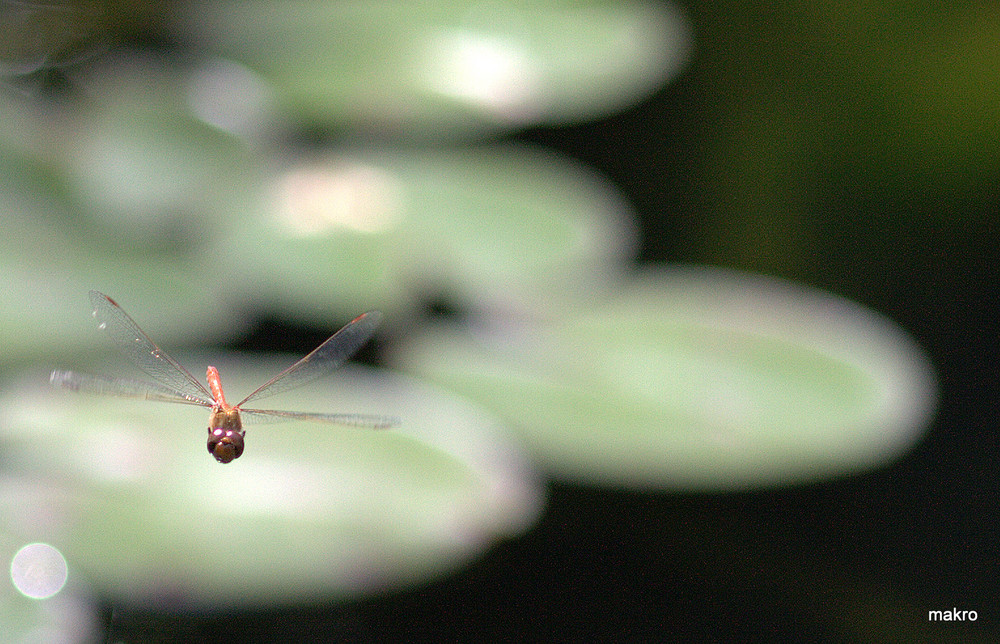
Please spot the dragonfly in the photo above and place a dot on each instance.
(175, 384)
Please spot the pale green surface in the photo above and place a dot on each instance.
(446, 69)
(505, 226)
(87, 203)
(140, 508)
(140, 164)
(47, 266)
(696, 378)
(496, 226)
(319, 238)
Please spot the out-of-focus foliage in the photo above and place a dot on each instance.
(694, 378)
(315, 159)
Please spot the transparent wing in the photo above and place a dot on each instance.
(352, 420)
(142, 351)
(322, 360)
(121, 387)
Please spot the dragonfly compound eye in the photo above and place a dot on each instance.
(225, 444)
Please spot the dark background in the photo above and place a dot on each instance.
(816, 149)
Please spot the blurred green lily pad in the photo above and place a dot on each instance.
(695, 378)
(48, 263)
(310, 511)
(492, 225)
(445, 68)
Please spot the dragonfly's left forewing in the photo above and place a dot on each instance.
(122, 388)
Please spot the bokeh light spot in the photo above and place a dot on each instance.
(337, 196)
(38, 571)
(491, 73)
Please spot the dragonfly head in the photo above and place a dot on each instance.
(225, 444)
(225, 435)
